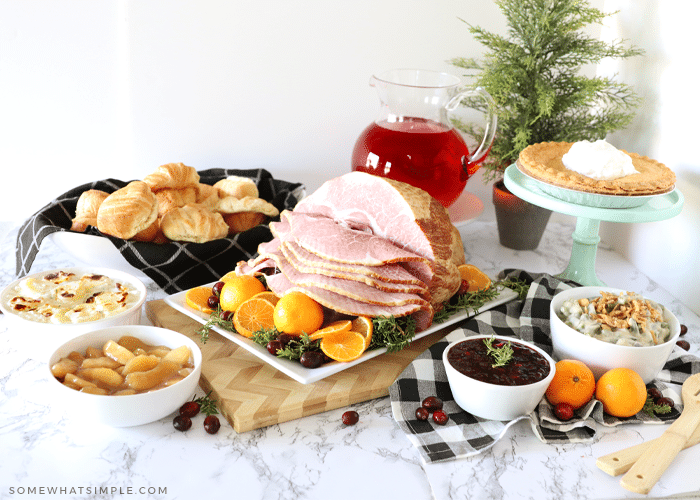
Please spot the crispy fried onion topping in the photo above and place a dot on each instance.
(612, 314)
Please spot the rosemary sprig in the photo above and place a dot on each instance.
(393, 333)
(298, 346)
(390, 332)
(501, 355)
(207, 405)
(476, 300)
(215, 319)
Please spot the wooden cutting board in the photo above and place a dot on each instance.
(251, 394)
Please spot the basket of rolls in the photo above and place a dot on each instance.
(178, 226)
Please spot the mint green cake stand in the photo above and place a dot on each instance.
(581, 267)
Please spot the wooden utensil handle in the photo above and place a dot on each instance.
(654, 461)
(620, 461)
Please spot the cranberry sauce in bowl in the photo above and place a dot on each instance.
(471, 357)
(504, 392)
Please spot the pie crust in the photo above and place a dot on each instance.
(543, 161)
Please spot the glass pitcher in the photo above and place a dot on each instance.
(413, 140)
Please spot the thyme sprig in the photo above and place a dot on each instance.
(501, 355)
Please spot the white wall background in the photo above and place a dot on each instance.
(91, 89)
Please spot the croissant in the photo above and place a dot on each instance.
(238, 187)
(207, 195)
(170, 198)
(86, 209)
(128, 211)
(172, 175)
(245, 213)
(193, 223)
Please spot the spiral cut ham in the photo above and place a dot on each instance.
(365, 245)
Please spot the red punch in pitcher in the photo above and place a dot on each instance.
(413, 140)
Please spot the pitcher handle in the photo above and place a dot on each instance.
(491, 121)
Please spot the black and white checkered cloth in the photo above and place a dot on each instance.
(527, 319)
(173, 266)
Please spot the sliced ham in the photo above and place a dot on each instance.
(385, 286)
(405, 215)
(330, 246)
(422, 313)
(391, 272)
(329, 239)
(380, 293)
(364, 245)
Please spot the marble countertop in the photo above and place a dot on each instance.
(46, 455)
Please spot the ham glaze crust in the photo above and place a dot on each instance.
(365, 245)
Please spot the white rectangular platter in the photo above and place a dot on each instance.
(294, 369)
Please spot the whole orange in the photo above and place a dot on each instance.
(237, 290)
(573, 383)
(296, 313)
(622, 392)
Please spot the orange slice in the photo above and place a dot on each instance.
(269, 296)
(337, 326)
(475, 277)
(363, 325)
(197, 298)
(343, 346)
(253, 315)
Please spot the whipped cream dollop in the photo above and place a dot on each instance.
(598, 160)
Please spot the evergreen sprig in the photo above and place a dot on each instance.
(473, 301)
(533, 75)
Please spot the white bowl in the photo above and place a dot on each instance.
(125, 411)
(38, 340)
(492, 401)
(602, 356)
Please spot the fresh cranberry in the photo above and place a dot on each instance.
(189, 409)
(216, 289)
(440, 417)
(684, 330)
(422, 413)
(285, 338)
(213, 302)
(683, 344)
(665, 401)
(311, 359)
(212, 424)
(463, 287)
(350, 417)
(432, 403)
(273, 346)
(227, 315)
(655, 394)
(564, 411)
(182, 423)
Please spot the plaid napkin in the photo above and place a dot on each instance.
(528, 319)
(173, 266)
